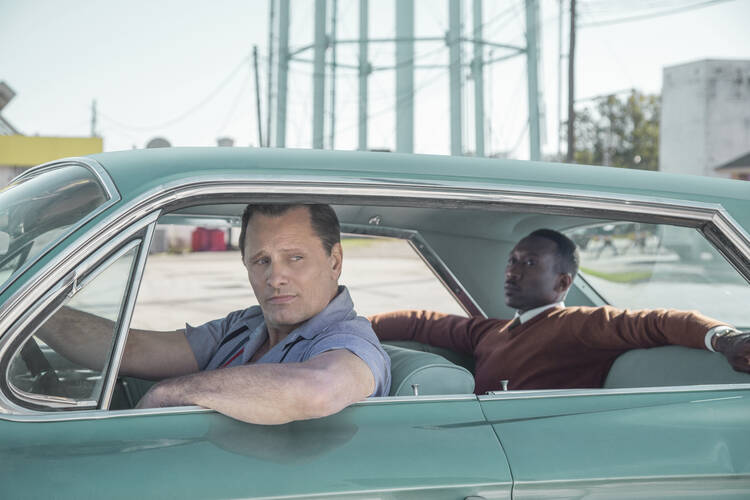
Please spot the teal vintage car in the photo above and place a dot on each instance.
(106, 234)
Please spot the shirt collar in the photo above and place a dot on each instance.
(524, 317)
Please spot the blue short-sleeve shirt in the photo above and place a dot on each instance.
(232, 340)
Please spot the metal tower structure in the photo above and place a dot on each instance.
(325, 41)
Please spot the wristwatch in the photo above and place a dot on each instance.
(722, 334)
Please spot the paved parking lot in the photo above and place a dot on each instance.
(198, 287)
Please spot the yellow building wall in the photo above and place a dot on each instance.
(27, 151)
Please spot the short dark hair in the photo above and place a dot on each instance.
(567, 254)
(322, 218)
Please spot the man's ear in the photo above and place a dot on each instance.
(564, 280)
(336, 259)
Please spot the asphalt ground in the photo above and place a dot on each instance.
(200, 286)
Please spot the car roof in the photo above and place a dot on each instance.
(134, 173)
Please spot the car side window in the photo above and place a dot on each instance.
(65, 362)
(640, 266)
(195, 274)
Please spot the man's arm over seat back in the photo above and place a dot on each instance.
(437, 329)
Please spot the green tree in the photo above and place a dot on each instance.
(619, 132)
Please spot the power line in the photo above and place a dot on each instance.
(652, 15)
(235, 105)
(187, 113)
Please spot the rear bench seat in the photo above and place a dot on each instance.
(415, 363)
(656, 367)
(671, 366)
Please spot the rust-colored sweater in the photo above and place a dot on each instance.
(563, 347)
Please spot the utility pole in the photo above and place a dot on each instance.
(571, 85)
(332, 104)
(364, 72)
(532, 53)
(319, 74)
(281, 77)
(405, 76)
(454, 43)
(93, 118)
(257, 97)
(560, 10)
(269, 81)
(478, 74)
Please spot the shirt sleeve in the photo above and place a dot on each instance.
(449, 331)
(205, 339)
(369, 352)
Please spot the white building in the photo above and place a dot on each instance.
(705, 118)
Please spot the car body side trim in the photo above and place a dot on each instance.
(94, 414)
(567, 393)
(638, 486)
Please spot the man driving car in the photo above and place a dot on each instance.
(302, 353)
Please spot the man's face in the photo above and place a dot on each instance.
(291, 274)
(531, 276)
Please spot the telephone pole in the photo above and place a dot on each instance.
(93, 118)
(257, 97)
(571, 85)
(269, 82)
(332, 104)
(281, 75)
(532, 65)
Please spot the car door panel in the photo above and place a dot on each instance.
(660, 444)
(401, 450)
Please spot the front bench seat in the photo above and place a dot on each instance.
(671, 366)
(434, 374)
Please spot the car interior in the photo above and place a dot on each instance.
(466, 247)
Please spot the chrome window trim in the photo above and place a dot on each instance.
(64, 286)
(180, 194)
(110, 376)
(389, 400)
(430, 258)
(567, 393)
(91, 164)
(60, 284)
(113, 196)
(100, 414)
(60, 401)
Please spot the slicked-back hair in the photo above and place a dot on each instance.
(323, 219)
(567, 254)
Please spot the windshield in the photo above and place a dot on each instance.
(633, 265)
(36, 210)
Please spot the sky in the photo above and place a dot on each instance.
(183, 70)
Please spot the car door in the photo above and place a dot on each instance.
(60, 439)
(412, 448)
(625, 443)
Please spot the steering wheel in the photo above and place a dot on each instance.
(47, 381)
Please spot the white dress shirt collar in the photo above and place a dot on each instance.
(525, 316)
